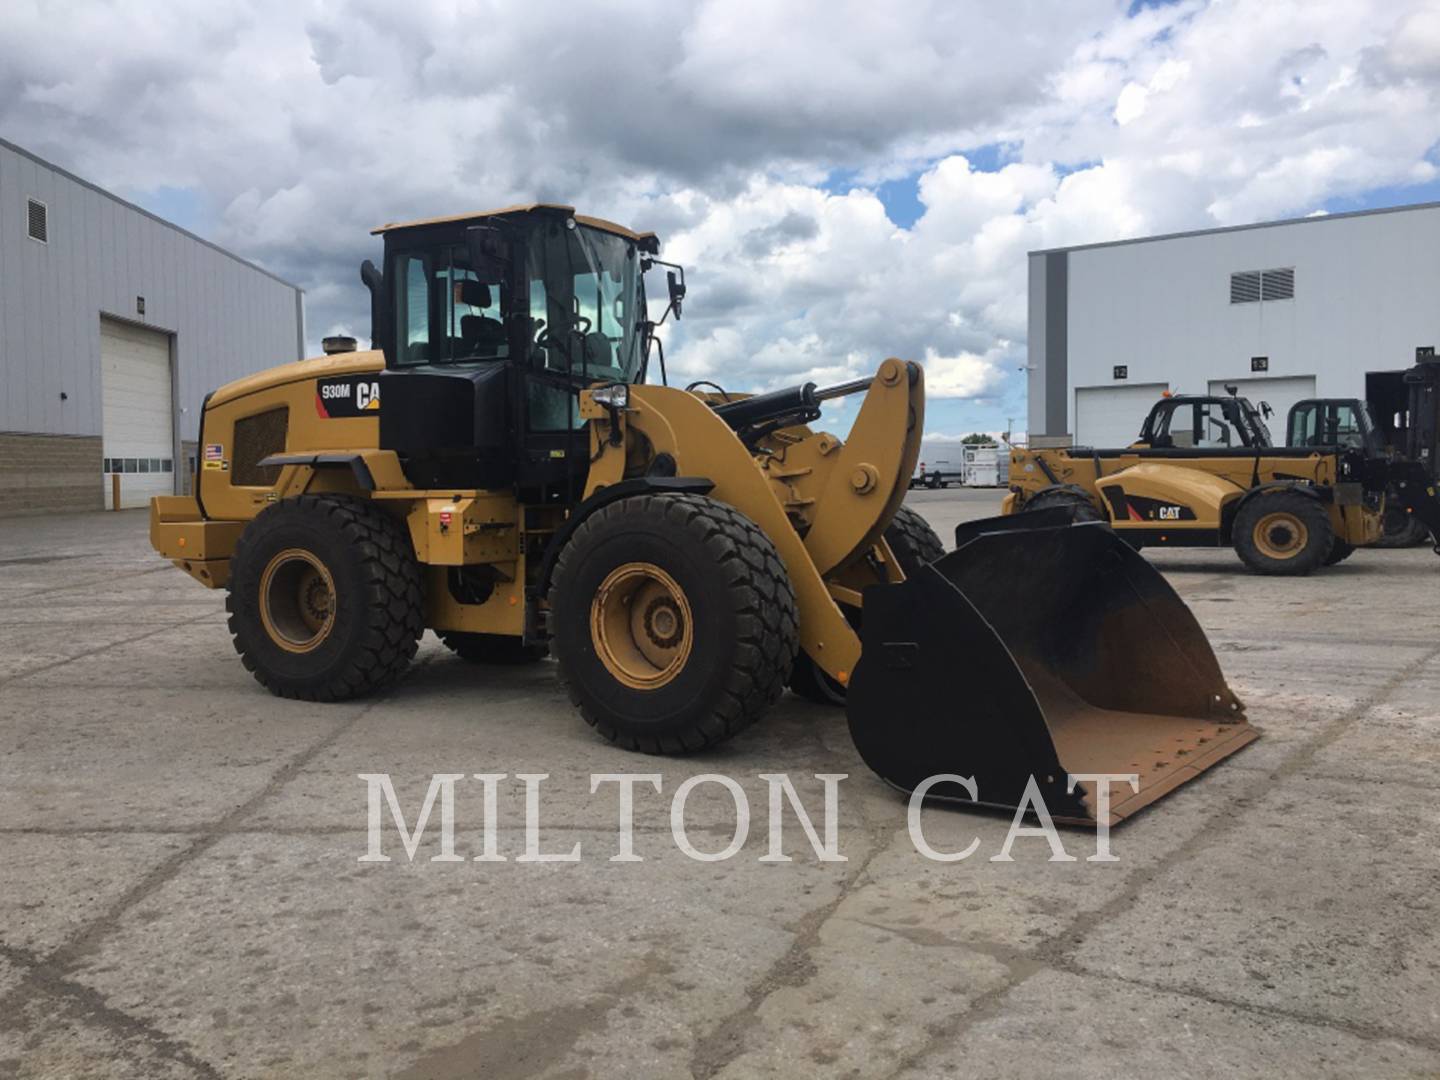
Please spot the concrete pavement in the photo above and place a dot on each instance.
(181, 892)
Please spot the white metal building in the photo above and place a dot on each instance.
(114, 325)
(1328, 306)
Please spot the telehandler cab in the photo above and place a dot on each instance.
(498, 470)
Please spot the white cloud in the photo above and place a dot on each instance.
(304, 123)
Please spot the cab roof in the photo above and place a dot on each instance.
(524, 208)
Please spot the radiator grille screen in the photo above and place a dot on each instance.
(257, 437)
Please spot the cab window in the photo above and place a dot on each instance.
(1201, 426)
(445, 312)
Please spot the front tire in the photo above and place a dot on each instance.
(914, 544)
(325, 598)
(913, 541)
(1283, 533)
(674, 621)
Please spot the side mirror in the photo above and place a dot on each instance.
(1266, 410)
(677, 291)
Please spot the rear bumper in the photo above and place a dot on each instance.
(200, 547)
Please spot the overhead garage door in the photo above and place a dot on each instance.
(1111, 415)
(1280, 393)
(137, 413)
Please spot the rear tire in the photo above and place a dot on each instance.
(1080, 505)
(914, 544)
(1283, 533)
(499, 649)
(325, 598)
(674, 622)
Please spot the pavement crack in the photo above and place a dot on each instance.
(48, 973)
(726, 1041)
(1350, 1027)
(51, 665)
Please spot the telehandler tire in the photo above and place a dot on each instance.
(325, 598)
(915, 544)
(498, 649)
(1402, 530)
(1282, 533)
(1079, 504)
(1339, 552)
(674, 622)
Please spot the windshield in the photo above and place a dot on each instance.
(584, 303)
(583, 292)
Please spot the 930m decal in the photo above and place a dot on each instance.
(347, 395)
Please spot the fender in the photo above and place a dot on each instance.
(1313, 491)
(354, 462)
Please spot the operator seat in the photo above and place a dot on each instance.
(482, 335)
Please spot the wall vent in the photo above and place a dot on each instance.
(37, 216)
(1245, 287)
(1278, 284)
(1252, 286)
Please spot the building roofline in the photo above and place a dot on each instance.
(1240, 228)
(38, 160)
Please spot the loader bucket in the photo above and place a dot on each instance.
(1039, 647)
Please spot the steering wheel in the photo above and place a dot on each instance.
(545, 338)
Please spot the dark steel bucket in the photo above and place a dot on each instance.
(1040, 647)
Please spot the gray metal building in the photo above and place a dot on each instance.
(114, 324)
(1325, 306)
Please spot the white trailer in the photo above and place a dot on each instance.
(986, 466)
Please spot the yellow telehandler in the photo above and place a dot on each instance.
(499, 470)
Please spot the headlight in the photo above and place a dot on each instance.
(614, 397)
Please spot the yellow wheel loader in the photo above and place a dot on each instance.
(1204, 473)
(499, 470)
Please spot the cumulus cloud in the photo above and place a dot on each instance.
(725, 125)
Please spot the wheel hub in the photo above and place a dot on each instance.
(1281, 535)
(297, 600)
(641, 626)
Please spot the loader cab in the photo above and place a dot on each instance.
(1193, 422)
(490, 325)
(1333, 422)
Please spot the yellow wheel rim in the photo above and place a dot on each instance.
(1281, 535)
(297, 600)
(641, 626)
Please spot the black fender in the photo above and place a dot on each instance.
(1303, 487)
(625, 489)
(354, 462)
